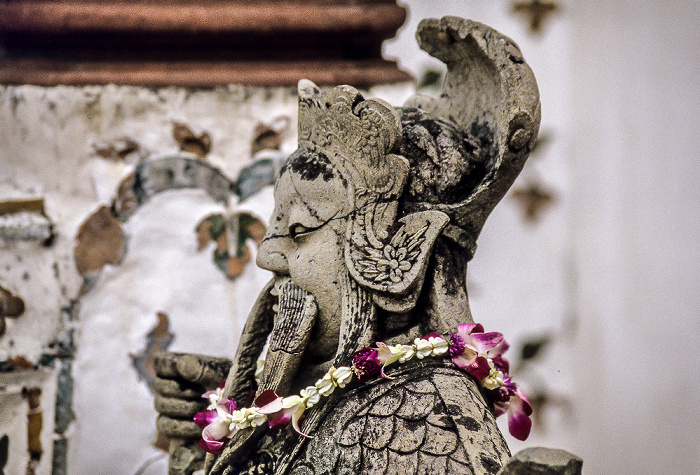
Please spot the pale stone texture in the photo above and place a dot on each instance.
(542, 461)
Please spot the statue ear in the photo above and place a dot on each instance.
(395, 269)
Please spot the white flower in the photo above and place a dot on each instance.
(325, 385)
(214, 397)
(440, 345)
(342, 376)
(406, 351)
(494, 380)
(238, 420)
(423, 348)
(254, 418)
(310, 396)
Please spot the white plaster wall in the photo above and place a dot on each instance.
(636, 224)
(46, 141)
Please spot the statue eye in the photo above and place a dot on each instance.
(297, 230)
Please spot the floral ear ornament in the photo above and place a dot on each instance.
(471, 349)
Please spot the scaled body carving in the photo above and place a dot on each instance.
(377, 214)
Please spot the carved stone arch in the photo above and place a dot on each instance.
(103, 228)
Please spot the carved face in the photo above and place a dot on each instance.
(306, 238)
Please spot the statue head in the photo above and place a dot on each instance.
(378, 211)
(345, 228)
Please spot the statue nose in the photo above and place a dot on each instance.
(271, 255)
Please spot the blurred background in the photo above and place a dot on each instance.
(135, 171)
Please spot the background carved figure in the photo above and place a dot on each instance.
(377, 214)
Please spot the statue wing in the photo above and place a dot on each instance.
(430, 419)
(490, 93)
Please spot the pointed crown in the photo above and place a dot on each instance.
(356, 134)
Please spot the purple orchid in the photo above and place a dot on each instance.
(478, 348)
(510, 400)
(218, 427)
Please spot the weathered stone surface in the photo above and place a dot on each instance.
(542, 461)
(177, 429)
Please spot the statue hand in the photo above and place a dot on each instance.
(180, 381)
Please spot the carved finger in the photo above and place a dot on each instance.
(178, 428)
(178, 408)
(208, 371)
(178, 389)
(165, 364)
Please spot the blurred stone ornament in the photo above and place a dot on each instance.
(25, 220)
(11, 306)
(230, 257)
(261, 173)
(534, 199)
(197, 143)
(99, 241)
(118, 150)
(35, 423)
(431, 78)
(269, 136)
(158, 339)
(20, 363)
(536, 11)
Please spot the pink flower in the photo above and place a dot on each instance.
(510, 400)
(204, 418)
(289, 408)
(478, 347)
(218, 427)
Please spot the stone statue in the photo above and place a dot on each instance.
(377, 214)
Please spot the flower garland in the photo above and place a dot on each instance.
(471, 349)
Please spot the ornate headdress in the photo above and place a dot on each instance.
(359, 137)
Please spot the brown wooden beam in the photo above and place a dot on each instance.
(262, 17)
(201, 74)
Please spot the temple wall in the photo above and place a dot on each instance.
(48, 138)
